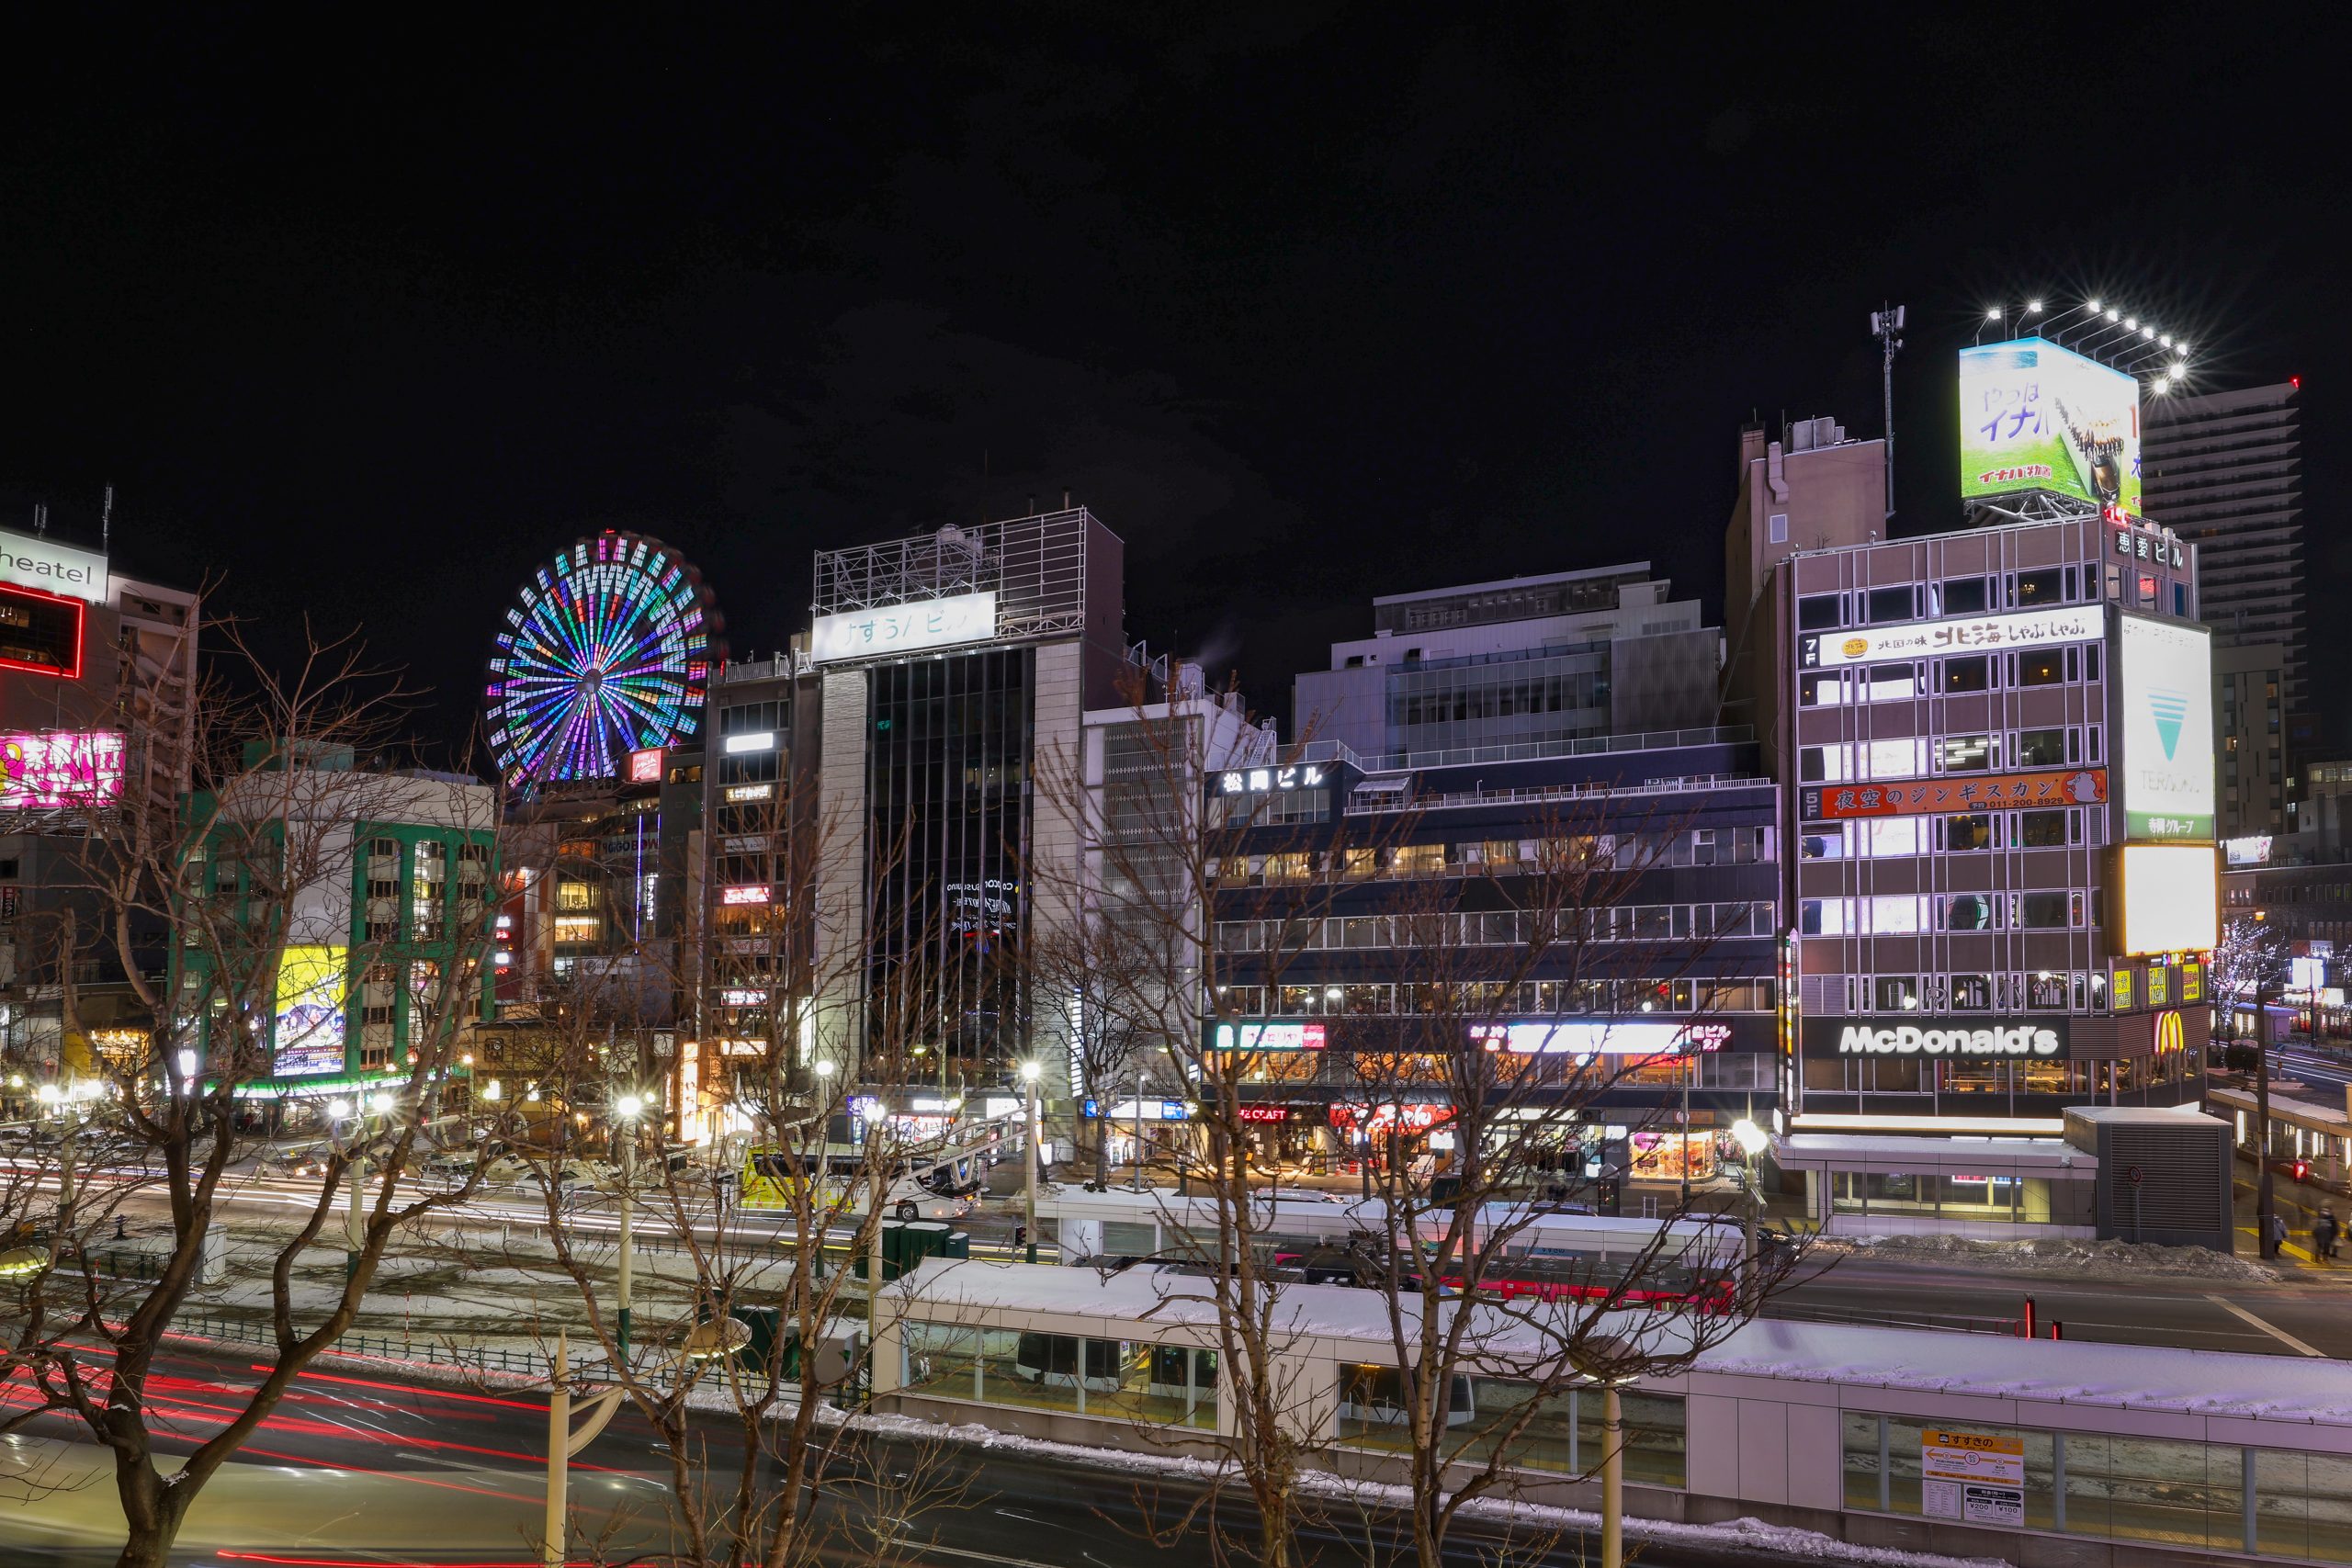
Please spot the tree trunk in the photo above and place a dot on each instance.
(150, 1513)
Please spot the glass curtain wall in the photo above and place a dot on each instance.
(948, 754)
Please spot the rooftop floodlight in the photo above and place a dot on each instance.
(2147, 332)
(2114, 316)
(2131, 323)
(2094, 305)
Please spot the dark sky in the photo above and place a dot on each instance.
(1309, 303)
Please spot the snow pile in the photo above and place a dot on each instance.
(2055, 1255)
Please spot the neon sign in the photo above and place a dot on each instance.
(67, 768)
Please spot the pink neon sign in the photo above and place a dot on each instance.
(66, 768)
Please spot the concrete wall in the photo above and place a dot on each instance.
(841, 862)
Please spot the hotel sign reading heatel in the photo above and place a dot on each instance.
(33, 562)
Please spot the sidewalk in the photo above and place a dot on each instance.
(2300, 1203)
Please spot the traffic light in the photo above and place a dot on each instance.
(2302, 1168)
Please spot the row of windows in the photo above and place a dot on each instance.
(1989, 1076)
(1876, 838)
(1499, 928)
(1952, 596)
(1623, 851)
(2048, 990)
(1570, 693)
(1903, 680)
(1480, 999)
(1920, 756)
(1909, 914)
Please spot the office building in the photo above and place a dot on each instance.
(385, 933)
(2003, 803)
(2257, 789)
(98, 726)
(1424, 880)
(1512, 667)
(2223, 471)
(953, 672)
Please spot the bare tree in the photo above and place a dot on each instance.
(1089, 970)
(230, 921)
(1170, 867)
(774, 1328)
(1472, 1298)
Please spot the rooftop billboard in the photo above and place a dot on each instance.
(2035, 416)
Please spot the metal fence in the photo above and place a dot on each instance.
(472, 1357)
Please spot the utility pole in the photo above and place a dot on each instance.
(625, 1127)
(1886, 326)
(1029, 1163)
(354, 1229)
(2263, 1201)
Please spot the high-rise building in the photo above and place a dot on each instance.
(953, 672)
(2002, 802)
(2256, 791)
(1521, 663)
(2221, 471)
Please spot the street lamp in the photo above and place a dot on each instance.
(626, 1109)
(1752, 1140)
(1029, 1071)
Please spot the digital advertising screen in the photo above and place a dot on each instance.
(2035, 416)
(59, 768)
(2166, 741)
(307, 1022)
(2171, 898)
(40, 632)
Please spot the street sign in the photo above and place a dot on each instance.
(1976, 1477)
(2132, 1174)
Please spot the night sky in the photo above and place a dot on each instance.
(1309, 303)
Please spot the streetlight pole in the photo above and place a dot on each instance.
(1135, 1181)
(1029, 1163)
(2264, 1204)
(1612, 1476)
(630, 1107)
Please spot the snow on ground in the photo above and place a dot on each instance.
(2054, 1254)
(1750, 1534)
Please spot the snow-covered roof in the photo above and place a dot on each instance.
(2073, 1371)
(2138, 1377)
(1916, 1152)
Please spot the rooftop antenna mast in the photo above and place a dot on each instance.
(105, 522)
(1886, 326)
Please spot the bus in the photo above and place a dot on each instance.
(939, 1185)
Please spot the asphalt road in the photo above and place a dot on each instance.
(2312, 1315)
(2286, 1319)
(360, 1471)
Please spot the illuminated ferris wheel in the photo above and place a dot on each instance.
(607, 650)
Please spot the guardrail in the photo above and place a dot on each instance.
(476, 1358)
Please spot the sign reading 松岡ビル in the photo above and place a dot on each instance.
(35, 562)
